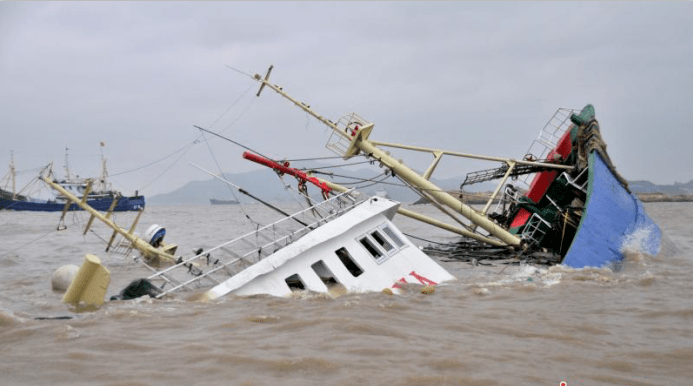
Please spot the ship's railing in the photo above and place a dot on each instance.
(508, 197)
(347, 124)
(548, 139)
(122, 247)
(217, 264)
(579, 182)
(535, 230)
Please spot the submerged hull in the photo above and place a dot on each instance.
(101, 204)
(613, 222)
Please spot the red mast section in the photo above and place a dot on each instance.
(285, 169)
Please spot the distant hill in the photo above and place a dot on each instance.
(265, 185)
(671, 190)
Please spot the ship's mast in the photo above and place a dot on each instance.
(358, 142)
(104, 172)
(67, 166)
(13, 172)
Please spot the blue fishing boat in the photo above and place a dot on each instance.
(122, 204)
(99, 193)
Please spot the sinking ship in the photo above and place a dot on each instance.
(570, 206)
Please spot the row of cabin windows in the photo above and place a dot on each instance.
(295, 283)
(381, 243)
(375, 242)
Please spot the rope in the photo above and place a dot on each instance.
(167, 169)
(422, 239)
(187, 147)
(30, 242)
(232, 105)
(155, 162)
(239, 71)
(315, 159)
(222, 173)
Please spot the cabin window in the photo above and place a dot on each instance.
(295, 283)
(382, 241)
(324, 274)
(348, 262)
(372, 249)
(391, 234)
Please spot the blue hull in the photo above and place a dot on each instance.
(102, 204)
(613, 217)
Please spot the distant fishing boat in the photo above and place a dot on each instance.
(214, 201)
(99, 193)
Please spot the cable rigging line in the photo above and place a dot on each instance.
(232, 106)
(230, 140)
(221, 174)
(187, 147)
(154, 162)
(168, 168)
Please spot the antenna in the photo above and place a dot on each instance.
(67, 165)
(266, 79)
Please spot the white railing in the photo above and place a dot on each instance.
(548, 139)
(535, 230)
(338, 143)
(241, 252)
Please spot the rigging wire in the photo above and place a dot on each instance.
(168, 168)
(335, 166)
(230, 140)
(252, 101)
(239, 71)
(187, 147)
(155, 162)
(232, 105)
(229, 186)
(361, 179)
(316, 158)
(30, 242)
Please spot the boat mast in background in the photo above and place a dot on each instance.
(13, 172)
(67, 166)
(104, 172)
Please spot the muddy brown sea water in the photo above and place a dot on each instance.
(523, 325)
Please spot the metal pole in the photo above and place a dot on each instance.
(363, 144)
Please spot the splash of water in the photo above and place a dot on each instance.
(636, 246)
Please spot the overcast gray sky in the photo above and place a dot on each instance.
(465, 76)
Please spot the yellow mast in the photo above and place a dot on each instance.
(359, 142)
(164, 254)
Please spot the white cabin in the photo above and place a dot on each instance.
(361, 250)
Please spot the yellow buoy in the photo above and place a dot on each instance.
(90, 284)
(428, 289)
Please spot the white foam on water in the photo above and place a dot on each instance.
(635, 245)
(528, 274)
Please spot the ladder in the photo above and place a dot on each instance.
(548, 137)
(216, 265)
(494, 174)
